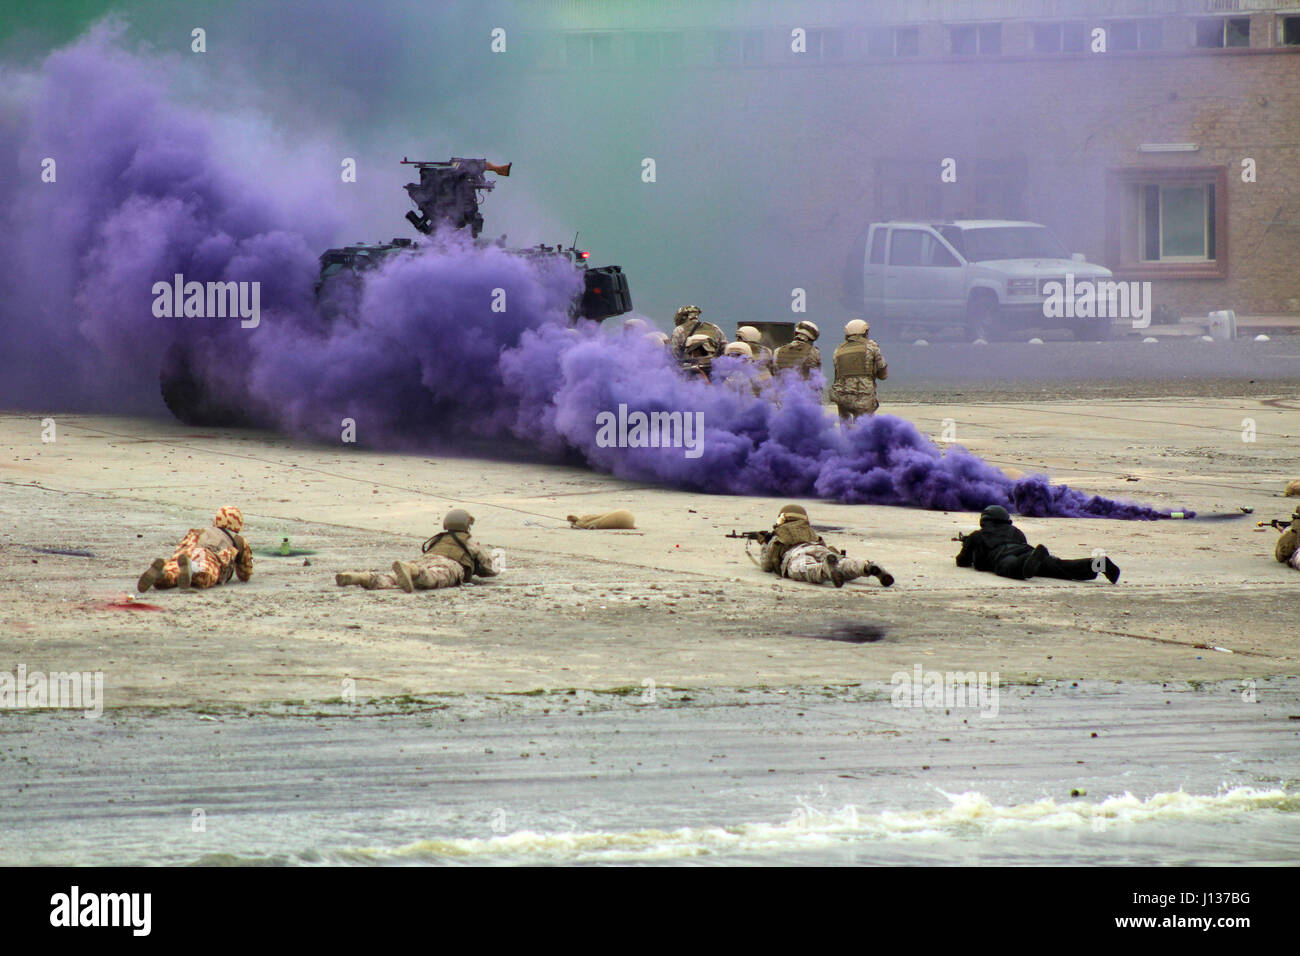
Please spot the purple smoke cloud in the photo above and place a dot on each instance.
(419, 359)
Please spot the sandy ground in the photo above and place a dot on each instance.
(675, 603)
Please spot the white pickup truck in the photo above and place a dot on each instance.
(985, 275)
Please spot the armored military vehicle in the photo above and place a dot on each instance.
(447, 195)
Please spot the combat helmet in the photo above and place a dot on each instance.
(686, 313)
(995, 514)
(458, 519)
(857, 327)
(738, 348)
(807, 330)
(747, 333)
(793, 509)
(701, 343)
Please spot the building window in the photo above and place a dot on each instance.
(732, 48)
(824, 44)
(585, 50)
(1220, 32)
(971, 40)
(1291, 31)
(1167, 222)
(651, 50)
(885, 42)
(1122, 35)
(1177, 223)
(1071, 37)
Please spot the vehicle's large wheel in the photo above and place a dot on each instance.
(1092, 331)
(188, 398)
(982, 318)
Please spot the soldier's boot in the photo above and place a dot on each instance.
(360, 578)
(183, 578)
(405, 573)
(876, 571)
(150, 576)
(832, 564)
(1112, 571)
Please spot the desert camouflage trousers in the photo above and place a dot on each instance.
(207, 568)
(855, 396)
(431, 571)
(806, 562)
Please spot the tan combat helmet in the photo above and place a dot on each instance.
(701, 343)
(807, 330)
(686, 313)
(635, 324)
(658, 338)
(793, 509)
(856, 327)
(747, 333)
(738, 348)
(458, 519)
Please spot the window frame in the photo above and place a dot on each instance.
(1120, 180)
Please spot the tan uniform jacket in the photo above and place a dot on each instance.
(786, 535)
(691, 327)
(460, 546)
(217, 540)
(1287, 542)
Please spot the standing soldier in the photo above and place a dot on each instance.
(754, 339)
(858, 363)
(449, 559)
(205, 557)
(698, 355)
(688, 323)
(801, 353)
(1287, 550)
(797, 552)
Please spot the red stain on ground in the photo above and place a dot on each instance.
(125, 606)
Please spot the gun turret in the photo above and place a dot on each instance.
(448, 192)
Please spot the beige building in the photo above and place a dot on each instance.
(1159, 137)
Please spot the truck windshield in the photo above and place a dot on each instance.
(1011, 242)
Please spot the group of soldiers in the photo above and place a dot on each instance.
(207, 557)
(858, 361)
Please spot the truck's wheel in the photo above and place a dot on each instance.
(188, 398)
(1092, 331)
(982, 319)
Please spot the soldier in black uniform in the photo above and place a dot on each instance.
(1001, 547)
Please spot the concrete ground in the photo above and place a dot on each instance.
(673, 604)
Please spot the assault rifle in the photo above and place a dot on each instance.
(962, 536)
(762, 537)
(1281, 524)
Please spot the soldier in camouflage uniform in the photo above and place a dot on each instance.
(449, 559)
(754, 339)
(688, 323)
(797, 552)
(858, 363)
(800, 354)
(698, 355)
(205, 557)
(1288, 545)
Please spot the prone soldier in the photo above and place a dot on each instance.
(794, 550)
(448, 560)
(1287, 550)
(1000, 547)
(205, 557)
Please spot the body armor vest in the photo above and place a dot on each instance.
(851, 361)
(794, 354)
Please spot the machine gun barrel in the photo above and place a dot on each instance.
(760, 536)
